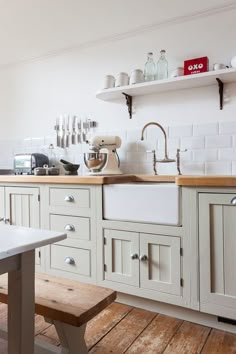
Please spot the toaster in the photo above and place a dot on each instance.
(24, 164)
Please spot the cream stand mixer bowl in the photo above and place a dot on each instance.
(95, 161)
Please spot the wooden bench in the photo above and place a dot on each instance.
(68, 305)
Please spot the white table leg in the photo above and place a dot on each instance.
(21, 306)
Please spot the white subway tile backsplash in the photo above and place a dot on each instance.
(173, 143)
(227, 128)
(155, 133)
(233, 168)
(206, 129)
(192, 168)
(211, 149)
(136, 157)
(146, 145)
(222, 141)
(227, 154)
(205, 155)
(234, 141)
(134, 135)
(193, 143)
(180, 131)
(218, 168)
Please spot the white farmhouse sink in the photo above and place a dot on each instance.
(157, 203)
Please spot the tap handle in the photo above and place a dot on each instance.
(178, 159)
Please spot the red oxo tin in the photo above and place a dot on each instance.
(196, 66)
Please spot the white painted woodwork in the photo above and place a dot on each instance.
(22, 209)
(69, 198)
(79, 226)
(158, 203)
(161, 270)
(22, 206)
(19, 243)
(81, 215)
(2, 204)
(119, 247)
(217, 246)
(81, 257)
(170, 84)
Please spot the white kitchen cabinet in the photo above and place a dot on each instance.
(2, 203)
(72, 209)
(142, 260)
(217, 253)
(20, 206)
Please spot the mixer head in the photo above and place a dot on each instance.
(99, 142)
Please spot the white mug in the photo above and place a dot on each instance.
(108, 82)
(122, 79)
(218, 66)
(136, 76)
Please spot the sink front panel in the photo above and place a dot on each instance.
(157, 203)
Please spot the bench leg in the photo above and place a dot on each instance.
(71, 338)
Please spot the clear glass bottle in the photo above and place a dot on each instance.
(162, 66)
(150, 68)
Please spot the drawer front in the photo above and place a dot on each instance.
(72, 260)
(70, 198)
(76, 228)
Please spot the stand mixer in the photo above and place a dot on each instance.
(100, 163)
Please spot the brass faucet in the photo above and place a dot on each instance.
(166, 158)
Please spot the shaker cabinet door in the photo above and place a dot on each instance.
(121, 256)
(22, 209)
(22, 206)
(217, 247)
(160, 263)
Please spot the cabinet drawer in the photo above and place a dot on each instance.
(79, 260)
(70, 198)
(77, 228)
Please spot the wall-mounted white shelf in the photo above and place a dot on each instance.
(179, 83)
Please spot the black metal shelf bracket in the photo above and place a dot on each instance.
(221, 91)
(129, 100)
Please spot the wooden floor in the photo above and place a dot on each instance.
(125, 329)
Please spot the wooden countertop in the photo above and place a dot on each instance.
(194, 181)
(112, 179)
(206, 181)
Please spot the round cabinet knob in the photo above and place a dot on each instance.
(69, 227)
(69, 260)
(69, 198)
(7, 221)
(134, 256)
(233, 201)
(143, 258)
(1, 219)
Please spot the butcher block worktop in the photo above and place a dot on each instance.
(188, 181)
(206, 181)
(112, 179)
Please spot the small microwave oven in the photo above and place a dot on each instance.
(24, 164)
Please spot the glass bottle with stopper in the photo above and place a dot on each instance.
(162, 66)
(150, 68)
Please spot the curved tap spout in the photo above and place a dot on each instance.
(166, 158)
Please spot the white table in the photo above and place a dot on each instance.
(17, 257)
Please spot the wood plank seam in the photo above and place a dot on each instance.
(205, 341)
(131, 309)
(177, 329)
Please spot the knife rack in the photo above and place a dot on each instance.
(71, 130)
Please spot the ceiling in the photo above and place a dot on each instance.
(36, 28)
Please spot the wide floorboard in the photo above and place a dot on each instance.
(125, 329)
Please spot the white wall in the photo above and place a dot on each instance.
(33, 94)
